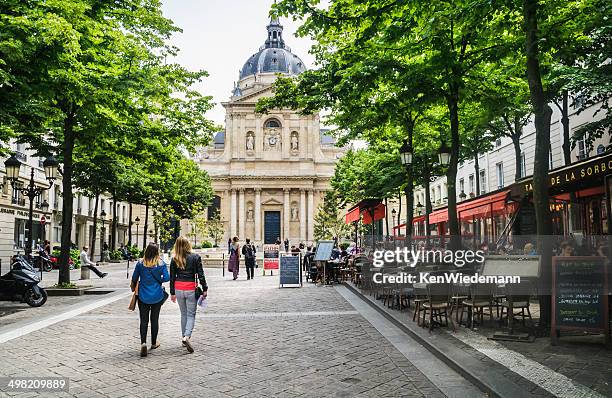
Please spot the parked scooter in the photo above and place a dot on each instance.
(42, 260)
(21, 284)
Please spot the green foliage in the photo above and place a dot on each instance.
(215, 229)
(206, 245)
(344, 245)
(329, 221)
(69, 285)
(115, 255)
(75, 255)
(134, 251)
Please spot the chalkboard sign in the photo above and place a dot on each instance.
(290, 275)
(324, 250)
(579, 299)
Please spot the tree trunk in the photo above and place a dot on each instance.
(155, 228)
(567, 150)
(146, 226)
(542, 114)
(451, 175)
(428, 207)
(130, 227)
(387, 217)
(477, 174)
(114, 224)
(92, 248)
(409, 208)
(66, 240)
(516, 142)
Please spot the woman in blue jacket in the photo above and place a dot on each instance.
(150, 272)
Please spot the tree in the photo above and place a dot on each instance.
(95, 70)
(328, 222)
(215, 229)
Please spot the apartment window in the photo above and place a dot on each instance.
(578, 101)
(18, 197)
(57, 234)
(471, 183)
(79, 203)
(483, 181)
(124, 214)
(433, 195)
(462, 185)
(499, 169)
(523, 171)
(439, 193)
(582, 152)
(498, 142)
(102, 206)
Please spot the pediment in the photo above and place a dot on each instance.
(254, 96)
(271, 201)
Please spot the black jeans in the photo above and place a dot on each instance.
(95, 270)
(146, 310)
(250, 267)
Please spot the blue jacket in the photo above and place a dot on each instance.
(150, 288)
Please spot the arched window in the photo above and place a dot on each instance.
(215, 207)
(272, 123)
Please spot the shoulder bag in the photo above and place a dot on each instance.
(164, 292)
(198, 288)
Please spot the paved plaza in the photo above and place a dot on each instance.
(253, 340)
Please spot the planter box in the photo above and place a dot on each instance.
(78, 291)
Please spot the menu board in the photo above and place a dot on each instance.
(579, 295)
(290, 270)
(324, 250)
(270, 257)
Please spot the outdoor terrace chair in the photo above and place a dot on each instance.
(481, 297)
(437, 304)
(420, 296)
(459, 292)
(519, 295)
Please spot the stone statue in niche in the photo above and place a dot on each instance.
(295, 141)
(250, 212)
(250, 141)
(295, 215)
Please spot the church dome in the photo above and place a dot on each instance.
(274, 56)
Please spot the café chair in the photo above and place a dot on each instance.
(481, 297)
(437, 304)
(420, 296)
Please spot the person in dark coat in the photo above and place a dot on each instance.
(249, 251)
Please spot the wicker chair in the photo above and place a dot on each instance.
(437, 304)
(481, 297)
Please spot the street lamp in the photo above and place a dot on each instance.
(406, 154)
(13, 166)
(137, 222)
(444, 154)
(102, 232)
(393, 214)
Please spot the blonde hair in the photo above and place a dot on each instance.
(151, 255)
(182, 248)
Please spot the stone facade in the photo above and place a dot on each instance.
(269, 171)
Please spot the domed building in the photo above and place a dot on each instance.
(269, 172)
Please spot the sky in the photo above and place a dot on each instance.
(219, 36)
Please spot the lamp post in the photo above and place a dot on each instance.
(44, 206)
(406, 154)
(393, 214)
(444, 154)
(102, 233)
(137, 222)
(13, 166)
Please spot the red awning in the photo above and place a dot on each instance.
(439, 216)
(353, 215)
(379, 213)
(483, 207)
(364, 208)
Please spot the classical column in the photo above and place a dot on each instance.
(310, 215)
(233, 214)
(287, 214)
(241, 215)
(302, 215)
(257, 214)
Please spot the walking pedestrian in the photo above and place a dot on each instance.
(185, 268)
(286, 245)
(150, 273)
(249, 251)
(86, 262)
(233, 265)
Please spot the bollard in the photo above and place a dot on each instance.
(84, 272)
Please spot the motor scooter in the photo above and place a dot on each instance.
(42, 260)
(21, 284)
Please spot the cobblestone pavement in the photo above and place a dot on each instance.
(253, 340)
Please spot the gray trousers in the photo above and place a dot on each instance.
(188, 305)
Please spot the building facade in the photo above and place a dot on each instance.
(14, 212)
(269, 171)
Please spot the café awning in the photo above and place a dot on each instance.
(369, 209)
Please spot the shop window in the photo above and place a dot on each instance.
(483, 181)
(499, 169)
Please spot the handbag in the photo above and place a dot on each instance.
(134, 299)
(198, 289)
(164, 292)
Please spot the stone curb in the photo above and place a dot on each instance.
(490, 379)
